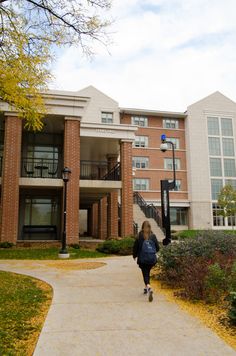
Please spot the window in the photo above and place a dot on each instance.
(226, 127)
(177, 184)
(141, 141)
(215, 167)
(178, 216)
(107, 117)
(139, 121)
(168, 163)
(229, 167)
(231, 182)
(213, 126)
(218, 220)
(228, 146)
(140, 162)
(171, 123)
(214, 146)
(175, 141)
(140, 184)
(216, 186)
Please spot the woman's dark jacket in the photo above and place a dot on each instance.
(139, 243)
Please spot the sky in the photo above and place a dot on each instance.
(164, 55)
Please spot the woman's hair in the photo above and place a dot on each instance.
(146, 224)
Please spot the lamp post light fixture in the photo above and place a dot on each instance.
(166, 186)
(65, 176)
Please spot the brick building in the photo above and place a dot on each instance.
(112, 152)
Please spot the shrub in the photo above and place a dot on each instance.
(6, 244)
(215, 282)
(232, 279)
(232, 308)
(120, 247)
(76, 246)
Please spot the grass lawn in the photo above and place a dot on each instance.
(27, 253)
(24, 302)
(193, 233)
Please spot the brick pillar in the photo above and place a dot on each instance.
(95, 220)
(127, 188)
(90, 222)
(10, 179)
(112, 215)
(72, 160)
(102, 219)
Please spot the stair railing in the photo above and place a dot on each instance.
(149, 210)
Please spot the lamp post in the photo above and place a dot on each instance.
(166, 186)
(65, 176)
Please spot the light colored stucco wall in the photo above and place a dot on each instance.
(98, 102)
(199, 186)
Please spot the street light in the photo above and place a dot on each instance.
(65, 176)
(166, 186)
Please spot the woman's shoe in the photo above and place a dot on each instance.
(150, 295)
(145, 291)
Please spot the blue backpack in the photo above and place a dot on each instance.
(148, 253)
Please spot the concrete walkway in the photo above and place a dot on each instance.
(102, 312)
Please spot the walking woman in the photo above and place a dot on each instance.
(145, 248)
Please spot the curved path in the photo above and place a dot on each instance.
(102, 312)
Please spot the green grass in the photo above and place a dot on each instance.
(193, 233)
(45, 253)
(23, 304)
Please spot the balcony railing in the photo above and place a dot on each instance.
(40, 168)
(98, 170)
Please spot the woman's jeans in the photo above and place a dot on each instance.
(146, 272)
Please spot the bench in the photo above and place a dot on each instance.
(39, 229)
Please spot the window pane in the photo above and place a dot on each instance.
(215, 167)
(218, 220)
(214, 146)
(226, 127)
(213, 126)
(171, 123)
(216, 186)
(107, 117)
(168, 163)
(229, 167)
(139, 120)
(175, 141)
(232, 182)
(178, 216)
(228, 146)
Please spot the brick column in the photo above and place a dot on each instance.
(95, 220)
(72, 160)
(90, 222)
(10, 179)
(102, 219)
(127, 188)
(112, 215)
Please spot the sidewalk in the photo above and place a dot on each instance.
(102, 312)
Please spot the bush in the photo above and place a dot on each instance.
(76, 246)
(232, 279)
(6, 244)
(232, 308)
(215, 282)
(120, 247)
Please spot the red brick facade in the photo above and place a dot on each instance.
(72, 160)
(10, 179)
(102, 219)
(127, 189)
(112, 223)
(94, 211)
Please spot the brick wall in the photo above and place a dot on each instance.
(102, 219)
(10, 179)
(95, 219)
(127, 189)
(72, 160)
(112, 217)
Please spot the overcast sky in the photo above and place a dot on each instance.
(166, 54)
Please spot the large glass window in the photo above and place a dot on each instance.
(107, 117)
(170, 123)
(213, 126)
(141, 141)
(228, 146)
(214, 146)
(226, 127)
(178, 216)
(175, 141)
(231, 182)
(140, 184)
(218, 220)
(139, 121)
(41, 211)
(216, 186)
(140, 162)
(215, 167)
(229, 167)
(168, 163)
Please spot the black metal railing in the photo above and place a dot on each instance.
(98, 170)
(149, 210)
(114, 173)
(40, 168)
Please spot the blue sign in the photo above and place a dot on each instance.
(163, 137)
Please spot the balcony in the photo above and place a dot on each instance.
(51, 168)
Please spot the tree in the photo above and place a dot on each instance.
(227, 202)
(29, 32)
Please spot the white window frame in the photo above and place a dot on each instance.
(168, 164)
(140, 162)
(105, 117)
(138, 120)
(138, 139)
(141, 184)
(172, 124)
(175, 141)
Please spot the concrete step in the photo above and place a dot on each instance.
(139, 217)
